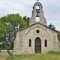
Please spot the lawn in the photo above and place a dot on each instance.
(47, 56)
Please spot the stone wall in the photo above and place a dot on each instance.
(4, 52)
(21, 44)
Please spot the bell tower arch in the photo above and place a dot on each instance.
(37, 14)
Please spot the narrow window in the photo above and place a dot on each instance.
(37, 14)
(37, 18)
(37, 7)
(29, 42)
(45, 43)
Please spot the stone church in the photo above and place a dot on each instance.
(37, 37)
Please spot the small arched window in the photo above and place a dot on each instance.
(45, 43)
(37, 19)
(29, 42)
(37, 7)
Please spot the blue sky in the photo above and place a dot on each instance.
(51, 9)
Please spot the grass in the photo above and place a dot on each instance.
(48, 56)
(3, 57)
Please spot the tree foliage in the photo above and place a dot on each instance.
(51, 26)
(58, 35)
(8, 26)
(26, 19)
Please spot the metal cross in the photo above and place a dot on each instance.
(37, 0)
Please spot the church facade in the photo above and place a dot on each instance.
(37, 37)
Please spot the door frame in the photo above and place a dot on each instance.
(40, 44)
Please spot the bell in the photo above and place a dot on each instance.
(37, 15)
(37, 10)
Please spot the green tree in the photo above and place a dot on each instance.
(58, 35)
(26, 19)
(51, 26)
(8, 26)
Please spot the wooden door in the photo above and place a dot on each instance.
(37, 45)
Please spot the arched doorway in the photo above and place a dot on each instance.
(37, 45)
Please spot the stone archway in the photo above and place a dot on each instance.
(37, 45)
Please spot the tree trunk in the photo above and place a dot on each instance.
(9, 53)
